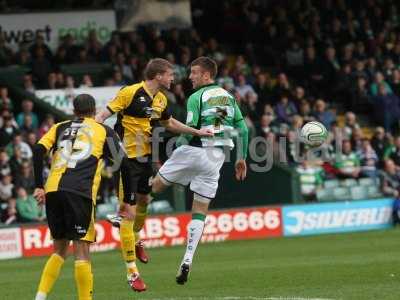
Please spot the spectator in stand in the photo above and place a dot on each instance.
(93, 46)
(28, 208)
(387, 108)
(16, 162)
(27, 126)
(242, 87)
(10, 215)
(311, 179)
(17, 142)
(60, 83)
(27, 109)
(368, 160)
(25, 178)
(266, 125)
(347, 163)
(6, 54)
(305, 111)
(322, 115)
(86, 81)
(5, 102)
(31, 139)
(380, 144)
(360, 98)
(118, 79)
(41, 67)
(28, 84)
(5, 168)
(390, 179)
(350, 124)
(393, 152)
(282, 86)
(224, 79)
(379, 80)
(46, 125)
(356, 139)
(285, 109)
(40, 44)
(51, 81)
(8, 130)
(123, 67)
(395, 81)
(69, 82)
(6, 188)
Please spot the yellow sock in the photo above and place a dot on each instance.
(128, 243)
(50, 274)
(141, 214)
(84, 279)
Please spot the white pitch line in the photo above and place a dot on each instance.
(240, 298)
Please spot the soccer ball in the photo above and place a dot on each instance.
(313, 134)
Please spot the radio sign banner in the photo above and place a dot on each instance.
(52, 26)
(170, 230)
(10, 243)
(310, 219)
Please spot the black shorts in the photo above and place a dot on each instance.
(135, 178)
(70, 216)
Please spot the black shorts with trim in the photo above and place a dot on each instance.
(135, 177)
(70, 216)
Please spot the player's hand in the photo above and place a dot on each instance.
(39, 195)
(240, 169)
(206, 132)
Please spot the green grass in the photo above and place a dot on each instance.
(348, 266)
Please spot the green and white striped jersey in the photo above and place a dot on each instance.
(213, 107)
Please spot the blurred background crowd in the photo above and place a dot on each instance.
(286, 62)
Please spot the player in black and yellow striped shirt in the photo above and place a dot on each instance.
(70, 192)
(137, 106)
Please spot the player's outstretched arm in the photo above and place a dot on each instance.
(102, 115)
(175, 126)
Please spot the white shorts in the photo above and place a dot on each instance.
(197, 166)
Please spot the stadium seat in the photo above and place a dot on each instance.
(359, 192)
(348, 182)
(341, 193)
(366, 181)
(373, 191)
(324, 195)
(160, 206)
(332, 183)
(105, 208)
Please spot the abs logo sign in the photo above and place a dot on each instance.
(337, 217)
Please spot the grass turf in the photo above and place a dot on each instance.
(347, 266)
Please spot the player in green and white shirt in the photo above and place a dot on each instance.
(197, 161)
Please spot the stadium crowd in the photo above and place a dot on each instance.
(286, 62)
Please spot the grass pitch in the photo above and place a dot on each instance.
(348, 266)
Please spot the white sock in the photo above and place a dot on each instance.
(40, 296)
(194, 233)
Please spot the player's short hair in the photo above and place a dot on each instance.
(155, 67)
(207, 64)
(84, 105)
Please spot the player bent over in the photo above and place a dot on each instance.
(197, 161)
(79, 147)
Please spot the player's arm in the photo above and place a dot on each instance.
(176, 126)
(119, 103)
(40, 150)
(113, 149)
(243, 139)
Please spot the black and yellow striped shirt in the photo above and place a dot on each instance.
(136, 108)
(79, 147)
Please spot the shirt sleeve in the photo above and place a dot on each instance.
(243, 137)
(113, 148)
(120, 101)
(193, 111)
(50, 138)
